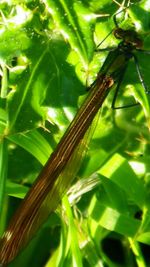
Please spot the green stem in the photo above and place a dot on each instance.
(4, 86)
(76, 254)
(3, 174)
(137, 252)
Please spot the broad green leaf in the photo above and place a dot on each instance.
(16, 190)
(113, 220)
(112, 195)
(75, 23)
(34, 143)
(144, 238)
(120, 172)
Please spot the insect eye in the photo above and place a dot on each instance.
(119, 33)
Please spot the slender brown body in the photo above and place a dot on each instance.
(22, 226)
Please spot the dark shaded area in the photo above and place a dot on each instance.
(20, 165)
(118, 250)
(146, 253)
(114, 250)
(138, 215)
(14, 62)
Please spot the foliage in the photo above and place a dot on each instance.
(47, 58)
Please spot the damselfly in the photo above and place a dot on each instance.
(51, 183)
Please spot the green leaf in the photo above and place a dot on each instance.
(112, 220)
(34, 143)
(144, 238)
(112, 195)
(120, 172)
(16, 190)
(75, 23)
